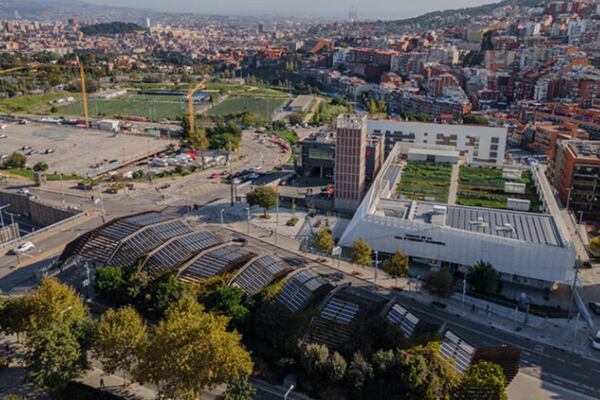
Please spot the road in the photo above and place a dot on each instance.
(549, 364)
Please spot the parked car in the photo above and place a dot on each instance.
(595, 341)
(595, 307)
(23, 247)
(216, 175)
(48, 151)
(26, 148)
(3, 136)
(23, 191)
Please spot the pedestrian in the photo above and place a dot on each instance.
(102, 383)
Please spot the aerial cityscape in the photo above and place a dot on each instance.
(299, 200)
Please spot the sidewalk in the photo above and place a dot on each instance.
(553, 332)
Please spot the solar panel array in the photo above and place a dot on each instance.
(401, 317)
(147, 219)
(260, 274)
(147, 240)
(454, 348)
(216, 262)
(339, 311)
(178, 251)
(299, 290)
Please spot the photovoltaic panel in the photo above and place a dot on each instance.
(339, 311)
(401, 317)
(260, 273)
(215, 262)
(454, 348)
(299, 290)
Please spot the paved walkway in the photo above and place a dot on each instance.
(453, 190)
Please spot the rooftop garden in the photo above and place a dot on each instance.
(484, 187)
(425, 181)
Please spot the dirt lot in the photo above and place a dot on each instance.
(75, 149)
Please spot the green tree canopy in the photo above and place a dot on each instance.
(595, 246)
(16, 160)
(190, 350)
(264, 197)
(40, 167)
(396, 266)
(482, 381)
(55, 356)
(323, 240)
(439, 284)
(119, 340)
(108, 280)
(239, 389)
(482, 277)
(229, 301)
(360, 253)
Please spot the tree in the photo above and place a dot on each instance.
(119, 340)
(190, 350)
(239, 389)
(296, 118)
(360, 372)
(40, 167)
(360, 253)
(165, 290)
(396, 266)
(323, 240)
(336, 367)
(109, 280)
(439, 284)
(229, 301)
(16, 160)
(55, 356)
(51, 303)
(595, 246)
(475, 120)
(482, 381)
(482, 277)
(264, 197)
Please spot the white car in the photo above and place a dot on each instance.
(595, 341)
(23, 191)
(23, 247)
(3, 136)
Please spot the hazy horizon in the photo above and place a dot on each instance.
(383, 9)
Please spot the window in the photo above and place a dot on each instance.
(495, 140)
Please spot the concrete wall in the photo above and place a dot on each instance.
(39, 213)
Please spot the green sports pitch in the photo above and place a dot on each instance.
(264, 106)
(155, 108)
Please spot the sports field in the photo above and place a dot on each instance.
(154, 108)
(263, 106)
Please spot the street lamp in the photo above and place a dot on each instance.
(248, 218)
(1, 214)
(285, 396)
(63, 312)
(464, 290)
(222, 212)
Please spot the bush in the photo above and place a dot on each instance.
(40, 167)
(16, 160)
(292, 221)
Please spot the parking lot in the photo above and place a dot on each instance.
(74, 150)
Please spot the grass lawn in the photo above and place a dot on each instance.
(32, 104)
(421, 180)
(484, 187)
(29, 174)
(154, 108)
(257, 105)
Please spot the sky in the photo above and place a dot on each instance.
(384, 9)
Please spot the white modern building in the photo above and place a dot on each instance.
(527, 248)
(478, 144)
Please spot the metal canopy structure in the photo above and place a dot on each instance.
(178, 251)
(300, 289)
(216, 262)
(260, 273)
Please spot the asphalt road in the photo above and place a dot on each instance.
(549, 364)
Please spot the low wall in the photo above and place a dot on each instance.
(38, 212)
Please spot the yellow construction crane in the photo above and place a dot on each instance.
(81, 78)
(190, 99)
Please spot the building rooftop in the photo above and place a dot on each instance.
(587, 150)
(523, 226)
